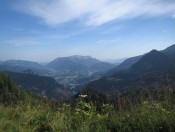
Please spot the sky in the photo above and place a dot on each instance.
(42, 30)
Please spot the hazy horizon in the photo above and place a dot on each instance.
(42, 30)
(104, 60)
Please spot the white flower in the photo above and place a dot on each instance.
(83, 96)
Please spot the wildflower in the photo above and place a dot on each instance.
(83, 96)
(145, 102)
(163, 109)
(168, 112)
(66, 105)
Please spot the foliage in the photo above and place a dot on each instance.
(85, 118)
(33, 113)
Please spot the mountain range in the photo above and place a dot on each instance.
(149, 69)
(67, 71)
(80, 64)
(64, 65)
(21, 65)
(124, 65)
(76, 72)
(128, 63)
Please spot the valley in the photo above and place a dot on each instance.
(87, 66)
(137, 93)
(70, 75)
(73, 73)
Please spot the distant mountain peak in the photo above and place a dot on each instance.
(152, 55)
(153, 61)
(76, 57)
(81, 57)
(172, 46)
(19, 61)
(21, 65)
(170, 49)
(154, 51)
(78, 63)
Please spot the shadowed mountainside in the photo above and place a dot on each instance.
(154, 68)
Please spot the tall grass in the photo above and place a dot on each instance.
(150, 115)
(141, 110)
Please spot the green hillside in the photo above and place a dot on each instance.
(21, 111)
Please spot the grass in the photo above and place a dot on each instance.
(22, 111)
(84, 118)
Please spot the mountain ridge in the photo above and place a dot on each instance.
(154, 64)
(78, 63)
(169, 51)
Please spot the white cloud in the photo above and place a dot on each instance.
(94, 12)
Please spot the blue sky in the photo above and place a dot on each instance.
(42, 30)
